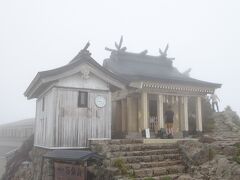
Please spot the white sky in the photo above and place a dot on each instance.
(37, 35)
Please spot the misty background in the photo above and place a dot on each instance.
(37, 35)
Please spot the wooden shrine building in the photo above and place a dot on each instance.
(128, 94)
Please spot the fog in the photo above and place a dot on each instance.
(37, 35)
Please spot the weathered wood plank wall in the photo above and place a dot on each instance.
(74, 125)
(44, 120)
(62, 123)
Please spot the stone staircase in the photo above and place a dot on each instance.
(133, 159)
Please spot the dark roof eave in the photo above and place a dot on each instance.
(72, 155)
(187, 81)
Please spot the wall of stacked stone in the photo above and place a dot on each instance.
(48, 167)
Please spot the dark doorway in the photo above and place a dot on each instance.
(152, 115)
(153, 108)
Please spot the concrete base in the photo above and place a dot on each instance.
(133, 135)
(185, 134)
(138, 141)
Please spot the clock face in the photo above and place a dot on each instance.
(100, 101)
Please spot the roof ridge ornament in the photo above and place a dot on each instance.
(144, 52)
(85, 50)
(164, 53)
(83, 53)
(118, 46)
(187, 72)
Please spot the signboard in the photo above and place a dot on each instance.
(147, 131)
(65, 171)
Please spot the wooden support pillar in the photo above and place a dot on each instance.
(160, 111)
(185, 119)
(124, 114)
(129, 113)
(118, 121)
(144, 108)
(199, 115)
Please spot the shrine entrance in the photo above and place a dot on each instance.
(153, 116)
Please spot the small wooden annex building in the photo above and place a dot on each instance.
(73, 103)
(128, 94)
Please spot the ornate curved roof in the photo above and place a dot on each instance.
(142, 67)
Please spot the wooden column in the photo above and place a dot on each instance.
(129, 113)
(160, 111)
(185, 124)
(144, 108)
(124, 114)
(114, 118)
(199, 115)
(118, 125)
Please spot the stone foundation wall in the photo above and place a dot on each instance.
(48, 168)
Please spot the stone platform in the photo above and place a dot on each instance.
(138, 140)
(160, 141)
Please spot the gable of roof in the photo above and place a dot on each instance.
(45, 78)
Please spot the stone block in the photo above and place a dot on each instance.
(159, 171)
(144, 173)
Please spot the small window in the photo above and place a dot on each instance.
(43, 104)
(82, 99)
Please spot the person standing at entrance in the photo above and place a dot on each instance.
(169, 114)
(215, 101)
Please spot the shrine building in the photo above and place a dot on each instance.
(84, 100)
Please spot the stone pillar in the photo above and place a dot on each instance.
(129, 113)
(160, 111)
(185, 119)
(124, 115)
(144, 108)
(199, 115)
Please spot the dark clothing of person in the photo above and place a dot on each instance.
(169, 116)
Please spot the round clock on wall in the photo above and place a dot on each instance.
(100, 101)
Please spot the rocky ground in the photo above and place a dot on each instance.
(217, 154)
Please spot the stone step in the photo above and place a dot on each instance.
(150, 158)
(160, 171)
(141, 165)
(115, 141)
(145, 153)
(126, 141)
(163, 177)
(141, 147)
